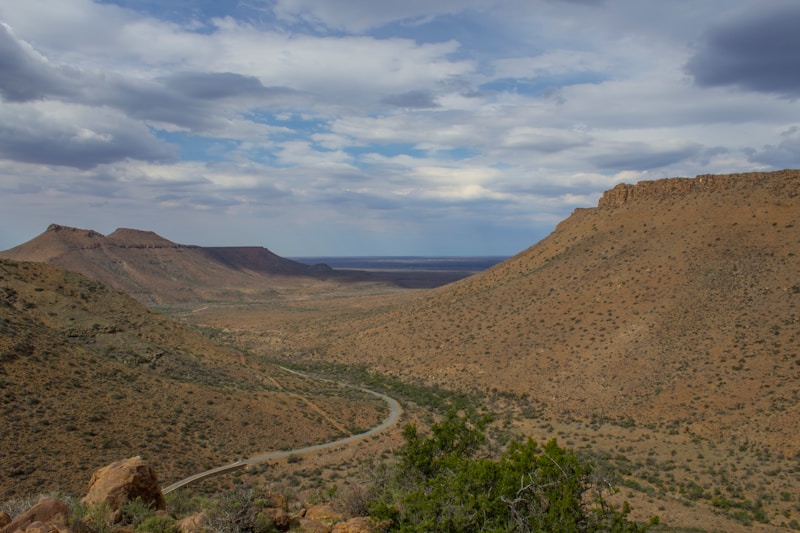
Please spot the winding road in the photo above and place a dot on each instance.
(394, 414)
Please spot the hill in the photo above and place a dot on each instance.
(153, 269)
(659, 331)
(157, 271)
(675, 302)
(88, 375)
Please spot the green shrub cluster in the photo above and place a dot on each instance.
(444, 482)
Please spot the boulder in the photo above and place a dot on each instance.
(5, 519)
(122, 482)
(195, 523)
(47, 515)
(324, 513)
(279, 518)
(311, 526)
(276, 499)
(355, 525)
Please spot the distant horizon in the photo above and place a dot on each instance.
(299, 258)
(399, 257)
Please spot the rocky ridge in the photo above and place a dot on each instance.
(781, 183)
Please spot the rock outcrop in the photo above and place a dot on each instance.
(311, 526)
(279, 518)
(782, 182)
(49, 515)
(355, 525)
(195, 523)
(323, 513)
(122, 482)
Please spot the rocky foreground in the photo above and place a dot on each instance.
(125, 496)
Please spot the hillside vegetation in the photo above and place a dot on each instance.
(656, 334)
(157, 271)
(89, 376)
(672, 304)
(660, 330)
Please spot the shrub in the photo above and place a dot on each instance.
(157, 524)
(442, 484)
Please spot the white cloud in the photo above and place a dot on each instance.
(503, 114)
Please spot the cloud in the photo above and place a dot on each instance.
(639, 156)
(26, 75)
(785, 154)
(53, 133)
(412, 100)
(217, 85)
(544, 140)
(758, 50)
(362, 120)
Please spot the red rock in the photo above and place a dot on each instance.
(47, 515)
(312, 526)
(280, 518)
(355, 525)
(195, 523)
(324, 513)
(123, 482)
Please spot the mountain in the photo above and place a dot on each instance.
(674, 304)
(155, 270)
(88, 376)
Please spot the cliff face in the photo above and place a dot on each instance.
(781, 183)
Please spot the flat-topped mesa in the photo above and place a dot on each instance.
(781, 183)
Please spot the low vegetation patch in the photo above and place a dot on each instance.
(447, 481)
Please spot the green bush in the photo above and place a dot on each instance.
(442, 483)
(157, 524)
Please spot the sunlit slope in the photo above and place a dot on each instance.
(155, 270)
(89, 376)
(674, 303)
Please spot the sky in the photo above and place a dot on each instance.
(377, 127)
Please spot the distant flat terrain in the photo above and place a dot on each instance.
(410, 271)
(455, 264)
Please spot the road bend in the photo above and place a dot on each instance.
(394, 414)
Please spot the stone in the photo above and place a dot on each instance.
(195, 523)
(324, 513)
(48, 515)
(311, 526)
(355, 525)
(5, 519)
(277, 499)
(279, 518)
(122, 482)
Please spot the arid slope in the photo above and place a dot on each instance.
(155, 270)
(675, 303)
(89, 376)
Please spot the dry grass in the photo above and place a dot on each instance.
(89, 376)
(660, 335)
(664, 330)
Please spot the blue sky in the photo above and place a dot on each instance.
(363, 127)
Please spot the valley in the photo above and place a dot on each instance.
(657, 334)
